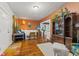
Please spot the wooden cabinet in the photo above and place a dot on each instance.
(58, 38)
(67, 26)
(74, 30)
(70, 32)
(68, 42)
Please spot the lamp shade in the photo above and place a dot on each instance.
(23, 22)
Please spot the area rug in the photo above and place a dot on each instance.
(46, 48)
(53, 49)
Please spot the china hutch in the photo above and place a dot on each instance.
(64, 30)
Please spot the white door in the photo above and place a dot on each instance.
(5, 30)
(4, 35)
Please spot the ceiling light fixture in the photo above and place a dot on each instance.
(36, 7)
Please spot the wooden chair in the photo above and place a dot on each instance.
(33, 35)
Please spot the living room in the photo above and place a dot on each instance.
(39, 28)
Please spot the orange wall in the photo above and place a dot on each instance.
(25, 26)
(73, 7)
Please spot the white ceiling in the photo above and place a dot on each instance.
(26, 10)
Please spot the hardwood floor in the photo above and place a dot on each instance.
(25, 48)
(29, 48)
